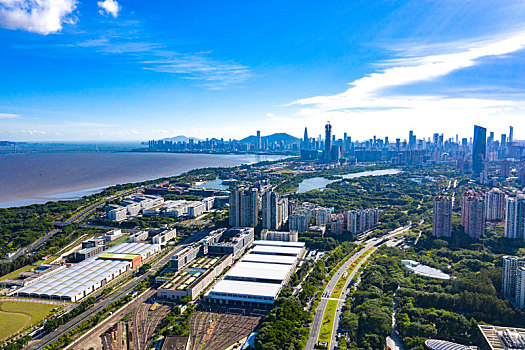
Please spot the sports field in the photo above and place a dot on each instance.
(16, 315)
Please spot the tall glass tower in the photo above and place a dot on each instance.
(479, 149)
(327, 142)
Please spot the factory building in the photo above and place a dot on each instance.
(78, 281)
(259, 276)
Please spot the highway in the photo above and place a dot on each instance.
(318, 318)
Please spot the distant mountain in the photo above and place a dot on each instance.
(181, 138)
(278, 137)
(7, 143)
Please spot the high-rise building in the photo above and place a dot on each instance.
(479, 149)
(259, 144)
(515, 217)
(299, 219)
(519, 300)
(361, 220)
(244, 207)
(513, 280)
(511, 134)
(473, 213)
(274, 210)
(442, 217)
(495, 202)
(505, 168)
(322, 216)
(327, 142)
(306, 140)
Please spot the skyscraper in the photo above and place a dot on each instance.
(306, 140)
(511, 274)
(259, 145)
(442, 217)
(495, 201)
(479, 149)
(515, 217)
(244, 207)
(327, 142)
(511, 134)
(274, 210)
(473, 213)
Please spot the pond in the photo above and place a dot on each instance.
(319, 183)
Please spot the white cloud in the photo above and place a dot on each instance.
(36, 16)
(371, 99)
(9, 116)
(270, 115)
(199, 66)
(111, 7)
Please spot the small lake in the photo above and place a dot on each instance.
(214, 185)
(319, 183)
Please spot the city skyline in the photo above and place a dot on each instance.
(129, 71)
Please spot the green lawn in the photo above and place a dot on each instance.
(119, 240)
(327, 325)
(37, 311)
(11, 323)
(15, 273)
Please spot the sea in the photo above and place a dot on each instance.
(39, 177)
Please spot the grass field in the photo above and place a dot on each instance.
(15, 273)
(16, 314)
(327, 325)
(11, 323)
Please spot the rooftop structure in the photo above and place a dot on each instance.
(258, 277)
(79, 280)
(502, 338)
(424, 270)
(435, 344)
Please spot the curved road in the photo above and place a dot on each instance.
(316, 325)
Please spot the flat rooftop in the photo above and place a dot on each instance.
(279, 243)
(118, 256)
(276, 250)
(253, 289)
(276, 272)
(269, 259)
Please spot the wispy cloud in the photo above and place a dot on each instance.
(9, 116)
(36, 16)
(198, 66)
(366, 92)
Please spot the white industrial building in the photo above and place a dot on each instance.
(76, 282)
(132, 206)
(259, 276)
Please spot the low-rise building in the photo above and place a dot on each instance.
(288, 236)
(502, 338)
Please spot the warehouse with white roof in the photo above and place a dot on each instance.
(259, 276)
(79, 280)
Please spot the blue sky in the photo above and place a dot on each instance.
(138, 70)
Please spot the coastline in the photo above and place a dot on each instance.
(37, 178)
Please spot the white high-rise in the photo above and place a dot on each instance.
(244, 207)
(515, 217)
(442, 217)
(514, 280)
(495, 204)
(274, 210)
